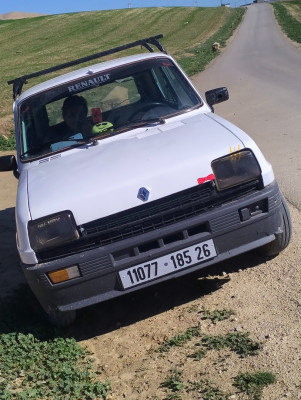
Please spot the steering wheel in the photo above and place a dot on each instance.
(145, 109)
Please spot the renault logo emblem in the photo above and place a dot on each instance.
(143, 194)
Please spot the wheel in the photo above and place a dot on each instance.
(62, 319)
(282, 239)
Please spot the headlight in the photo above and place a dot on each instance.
(51, 231)
(235, 169)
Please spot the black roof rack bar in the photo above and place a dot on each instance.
(20, 81)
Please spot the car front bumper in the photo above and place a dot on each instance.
(237, 227)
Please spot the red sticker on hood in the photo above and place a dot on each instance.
(210, 177)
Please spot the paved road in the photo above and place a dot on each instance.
(262, 70)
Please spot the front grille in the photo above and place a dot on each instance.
(151, 216)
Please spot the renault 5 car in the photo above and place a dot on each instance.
(128, 178)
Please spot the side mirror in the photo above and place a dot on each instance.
(216, 96)
(9, 163)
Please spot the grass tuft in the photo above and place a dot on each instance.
(217, 315)
(174, 383)
(238, 342)
(180, 339)
(8, 143)
(253, 384)
(207, 390)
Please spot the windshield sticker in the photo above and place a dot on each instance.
(96, 81)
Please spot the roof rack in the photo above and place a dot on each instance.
(20, 81)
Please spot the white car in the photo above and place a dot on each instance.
(127, 178)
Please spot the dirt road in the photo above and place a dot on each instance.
(124, 334)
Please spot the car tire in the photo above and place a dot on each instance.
(62, 319)
(282, 239)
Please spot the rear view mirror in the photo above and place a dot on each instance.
(216, 96)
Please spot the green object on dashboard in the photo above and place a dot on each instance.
(102, 127)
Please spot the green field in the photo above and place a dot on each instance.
(288, 15)
(31, 44)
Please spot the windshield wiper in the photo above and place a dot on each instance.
(90, 140)
(45, 145)
(142, 122)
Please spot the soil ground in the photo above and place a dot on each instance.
(125, 334)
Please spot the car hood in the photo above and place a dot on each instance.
(96, 181)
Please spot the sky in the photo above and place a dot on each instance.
(66, 6)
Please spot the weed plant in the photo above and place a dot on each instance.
(217, 315)
(238, 342)
(8, 143)
(174, 383)
(36, 362)
(253, 384)
(207, 390)
(180, 339)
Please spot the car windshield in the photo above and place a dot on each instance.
(100, 105)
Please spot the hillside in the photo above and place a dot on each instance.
(41, 42)
(18, 15)
(288, 15)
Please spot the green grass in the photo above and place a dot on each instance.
(243, 342)
(8, 142)
(207, 390)
(174, 383)
(176, 387)
(202, 54)
(288, 15)
(239, 342)
(217, 315)
(38, 43)
(37, 362)
(180, 339)
(253, 384)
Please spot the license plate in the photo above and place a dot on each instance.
(168, 264)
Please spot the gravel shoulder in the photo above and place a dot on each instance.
(125, 334)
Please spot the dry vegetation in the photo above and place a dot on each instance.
(294, 8)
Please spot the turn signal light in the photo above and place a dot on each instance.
(65, 274)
